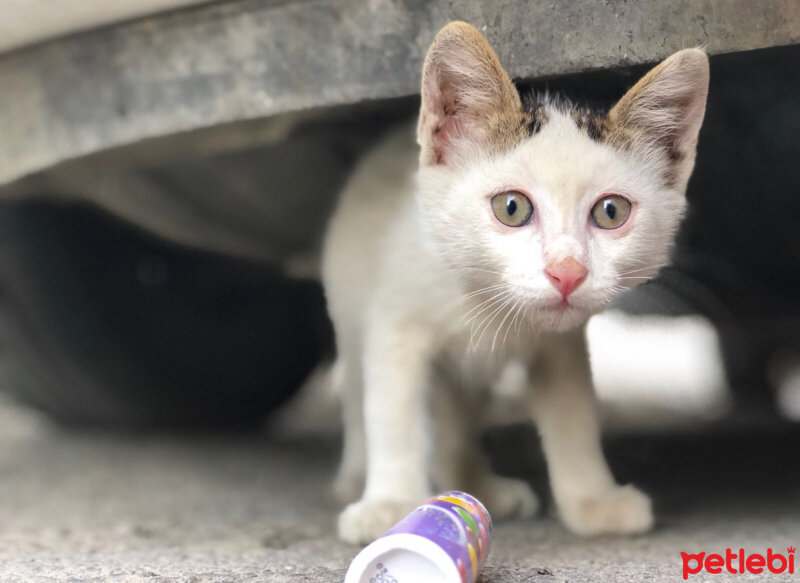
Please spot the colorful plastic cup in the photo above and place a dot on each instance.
(446, 540)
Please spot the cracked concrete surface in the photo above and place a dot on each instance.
(224, 62)
(88, 506)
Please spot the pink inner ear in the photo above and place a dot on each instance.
(448, 130)
(464, 88)
(433, 131)
(443, 119)
(445, 122)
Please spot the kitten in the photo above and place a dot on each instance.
(525, 217)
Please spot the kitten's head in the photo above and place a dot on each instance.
(550, 208)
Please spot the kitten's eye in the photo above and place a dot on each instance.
(512, 208)
(611, 212)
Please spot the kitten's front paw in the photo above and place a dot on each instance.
(364, 521)
(506, 497)
(621, 510)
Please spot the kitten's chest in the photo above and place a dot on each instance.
(476, 344)
(478, 367)
(494, 383)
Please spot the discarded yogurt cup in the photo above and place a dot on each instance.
(446, 540)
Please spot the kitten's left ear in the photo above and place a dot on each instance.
(468, 100)
(665, 110)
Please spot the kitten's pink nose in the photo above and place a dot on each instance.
(566, 275)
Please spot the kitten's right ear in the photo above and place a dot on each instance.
(468, 100)
(665, 109)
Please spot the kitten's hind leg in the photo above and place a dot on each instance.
(505, 498)
(589, 500)
(459, 462)
(349, 483)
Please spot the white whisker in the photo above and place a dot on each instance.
(494, 315)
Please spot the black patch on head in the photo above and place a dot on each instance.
(535, 112)
(537, 117)
(591, 120)
(597, 129)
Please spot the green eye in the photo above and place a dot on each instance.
(611, 212)
(512, 208)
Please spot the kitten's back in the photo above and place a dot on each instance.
(366, 214)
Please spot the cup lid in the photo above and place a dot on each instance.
(402, 558)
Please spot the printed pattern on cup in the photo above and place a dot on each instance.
(459, 524)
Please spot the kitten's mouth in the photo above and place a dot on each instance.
(561, 306)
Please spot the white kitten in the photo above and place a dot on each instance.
(524, 218)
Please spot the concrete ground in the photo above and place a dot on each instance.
(88, 506)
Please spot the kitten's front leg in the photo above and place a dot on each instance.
(589, 500)
(396, 360)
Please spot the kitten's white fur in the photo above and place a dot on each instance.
(432, 299)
